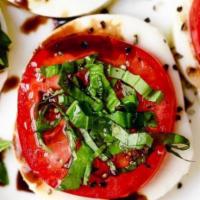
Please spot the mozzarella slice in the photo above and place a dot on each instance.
(183, 45)
(63, 8)
(159, 13)
(4, 73)
(149, 39)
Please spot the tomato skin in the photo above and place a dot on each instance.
(194, 22)
(112, 51)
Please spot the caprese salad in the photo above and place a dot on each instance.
(100, 105)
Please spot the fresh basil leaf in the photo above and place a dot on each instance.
(136, 81)
(50, 71)
(4, 47)
(131, 141)
(4, 180)
(4, 144)
(145, 119)
(77, 116)
(78, 169)
(100, 87)
(124, 119)
(175, 141)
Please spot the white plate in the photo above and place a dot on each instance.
(21, 51)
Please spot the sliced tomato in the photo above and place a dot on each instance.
(194, 19)
(112, 51)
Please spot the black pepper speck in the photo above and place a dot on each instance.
(179, 185)
(166, 66)
(175, 67)
(147, 20)
(84, 44)
(179, 109)
(103, 184)
(179, 9)
(128, 50)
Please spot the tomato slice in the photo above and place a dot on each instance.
(112, 51)
(194, 19)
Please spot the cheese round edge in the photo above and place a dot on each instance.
(183, 44)
(126, 28)
(64, 8)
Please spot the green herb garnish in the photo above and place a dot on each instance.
(106, 123)
(135, 81)
(4, 47)
(4, 180)
(80, 169)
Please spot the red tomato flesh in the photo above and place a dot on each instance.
(112, 51)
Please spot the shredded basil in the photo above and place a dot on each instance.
(80, 169)
(50, 70)
(4, 47)
(4, 180)
(99, 85)
(145, 119)
(107, 124)
(124, 119)
(77, 116)
(4, 144)
(136, 140)
(135, 81)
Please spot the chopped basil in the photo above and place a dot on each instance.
(176, 141)
(50, 70)
(89, 141)
(87, 173)
(4, 144)
(101, 118)
(42, 124)
(4, 180)
(145, 119)
(77, 116)
(99, 85)
(4, 47)
(115, 148)
(129, 100)
(136, 140)
(72, 140)
(79, 95)
(79, 170)
(135, 81)
(124, 119)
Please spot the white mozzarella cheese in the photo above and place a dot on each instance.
(183, 45)
(64, 8)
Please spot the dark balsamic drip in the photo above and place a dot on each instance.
(21, 184)
(10, 84)
(32, 24)
(134, 196)
(22, 3)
